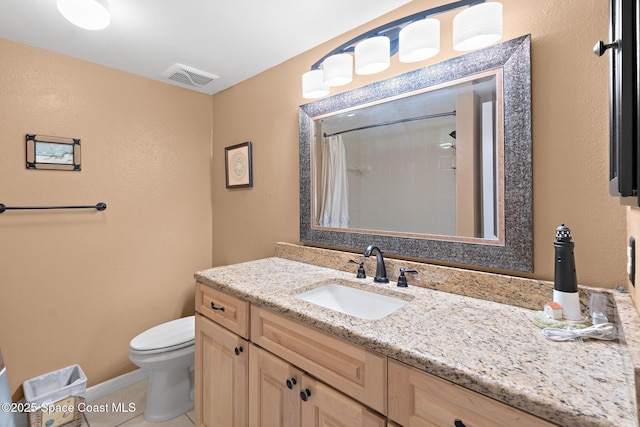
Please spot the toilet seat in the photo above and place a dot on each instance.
(168, 336)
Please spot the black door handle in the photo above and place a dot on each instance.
(458, 423)
(238, 350)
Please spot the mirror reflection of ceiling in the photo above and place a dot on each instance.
(438, 101)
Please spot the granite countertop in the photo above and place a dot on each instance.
(489, 347)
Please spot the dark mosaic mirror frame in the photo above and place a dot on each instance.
(514, 57)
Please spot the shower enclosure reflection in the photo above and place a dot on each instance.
(425, 163)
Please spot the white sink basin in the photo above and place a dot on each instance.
(352, 301)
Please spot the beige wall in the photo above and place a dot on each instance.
(78, 285)
(570, 134)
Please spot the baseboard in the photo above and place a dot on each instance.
(100, 390)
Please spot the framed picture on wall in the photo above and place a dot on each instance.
(238, 165)
(53, 152)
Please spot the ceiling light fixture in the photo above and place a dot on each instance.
(87, 14)
(415, 37)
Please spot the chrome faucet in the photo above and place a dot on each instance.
(381, 271)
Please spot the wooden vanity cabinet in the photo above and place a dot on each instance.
(293, 375)
(221, 359)
(241, 384)
(419, 399)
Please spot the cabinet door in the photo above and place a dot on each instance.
(418, 399)
(221, 383)
(324, 407)
(359, 373)
(274, 390)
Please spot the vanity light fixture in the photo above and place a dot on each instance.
(416, 37)
(313, 85)
(338, 69)
(87, 14)
(478, 26)
(373, 55)
(419, 40)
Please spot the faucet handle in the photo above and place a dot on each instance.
(402, 280)
(361, 273)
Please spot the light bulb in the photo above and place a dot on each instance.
(87, 14)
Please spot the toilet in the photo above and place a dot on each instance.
(167, 351)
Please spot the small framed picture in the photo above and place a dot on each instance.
(53, 152)
(238, 165)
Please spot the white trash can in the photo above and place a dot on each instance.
(57, 395)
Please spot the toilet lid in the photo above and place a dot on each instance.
(171, 334)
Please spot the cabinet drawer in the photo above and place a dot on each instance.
(419, 399)
(356, 372)
(227, 310)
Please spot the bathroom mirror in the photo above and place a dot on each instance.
(433, 164)
(435, 152)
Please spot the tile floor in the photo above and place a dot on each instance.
(109, 414)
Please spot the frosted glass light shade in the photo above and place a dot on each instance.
(313, 84)
(338, 69)
(478, 26)
(87, 14)
(419, 40)
(373, 55)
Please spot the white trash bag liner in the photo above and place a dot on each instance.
(54, 386)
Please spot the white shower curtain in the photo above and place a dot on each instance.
(334, 203)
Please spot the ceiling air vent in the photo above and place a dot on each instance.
(188, 75)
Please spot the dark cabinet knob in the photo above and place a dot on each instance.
(213, 307)
(600, 48)
(304, 395)
(458, 423)
(238, 350)
(291, 383)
